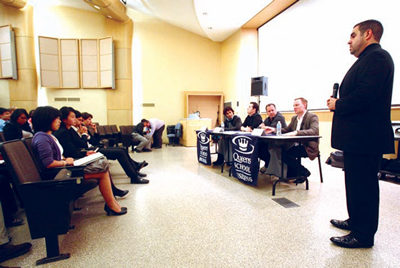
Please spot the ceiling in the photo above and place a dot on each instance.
(213, 19)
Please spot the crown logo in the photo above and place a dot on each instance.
(243, 144)
(203, 137)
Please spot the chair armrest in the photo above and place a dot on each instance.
(50, 173)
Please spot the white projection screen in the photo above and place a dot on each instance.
(304, 50)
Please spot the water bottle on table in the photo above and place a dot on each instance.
(279, 129)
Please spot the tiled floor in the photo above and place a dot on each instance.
(191, 215)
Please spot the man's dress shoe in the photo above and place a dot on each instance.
(139, 180)
(9, 251)
(349, 241)
(341, 224)
(142, 174)
(142, 165)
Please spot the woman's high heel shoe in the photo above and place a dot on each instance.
(111, 212)
(120, 193)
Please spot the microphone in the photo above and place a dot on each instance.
(335, 90)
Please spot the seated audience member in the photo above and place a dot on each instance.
(232, 123)
(30, 118)
(157, 127)
(18, 126)
(271, 121)
(253, 119)
(139, 134)
(49, 151)
(303, 123)
(4, 117)
(79, 140)
(94, 138)
(7, 250)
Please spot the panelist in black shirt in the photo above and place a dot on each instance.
(253, 120)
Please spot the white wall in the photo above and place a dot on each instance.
(304, 51)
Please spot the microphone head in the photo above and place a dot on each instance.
(336, 86)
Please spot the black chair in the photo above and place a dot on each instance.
(126, 137)
(48, 204)
(174, 135)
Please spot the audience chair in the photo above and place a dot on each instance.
(110, 136)
(48, 204)
(126, 137)
(175, 135)
(116, 133)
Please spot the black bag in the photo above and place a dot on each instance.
(336, 159)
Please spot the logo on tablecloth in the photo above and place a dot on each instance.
(203, 148)
(245, 158)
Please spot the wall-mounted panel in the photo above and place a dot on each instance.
(49, 62)
(8, 59)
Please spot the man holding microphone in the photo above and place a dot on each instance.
(368, 84)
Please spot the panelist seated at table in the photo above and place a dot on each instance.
(271, 121)
(253, 119)
(303, 123)
(231, 123)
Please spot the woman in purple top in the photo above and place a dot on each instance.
(45, 120)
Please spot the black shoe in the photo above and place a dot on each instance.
(299, 180)
(139, 181)
(111, 212)
(15, 222)
(138, 151)
(142, 174)
(142, 165)
(341, 224)
(220, 160)
(349, 241)
(9, 251)
(305, 172)
(146, 150)
(120, 193)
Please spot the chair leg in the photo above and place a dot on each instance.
(320, 169)
(52, 250)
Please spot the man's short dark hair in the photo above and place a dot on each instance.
(3, 110)
(144, 121)
(269, 104)
(255, 106)
(44, 117)
(227, 109)
(77, 114)
(86, 115)
(374, 25)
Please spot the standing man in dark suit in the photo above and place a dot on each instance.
(368, 83)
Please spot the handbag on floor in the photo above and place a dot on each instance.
(336, 159)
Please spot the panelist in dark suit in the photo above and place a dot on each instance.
(271, 121)
(368, 84)
(253, 120)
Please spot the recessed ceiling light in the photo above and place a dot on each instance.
(96, 7)
(108, 16)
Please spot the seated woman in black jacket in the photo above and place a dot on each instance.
(18, 126)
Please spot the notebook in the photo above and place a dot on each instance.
(88, 159)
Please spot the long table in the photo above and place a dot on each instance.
(279, 140)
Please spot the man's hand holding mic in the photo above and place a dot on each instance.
(331, 102)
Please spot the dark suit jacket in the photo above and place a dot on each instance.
(361, 121)
(234, 124)
(65, 138)
(274, 122)
(309, 127)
